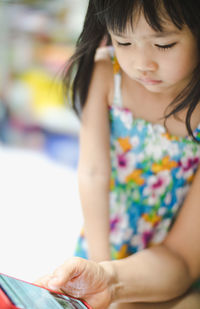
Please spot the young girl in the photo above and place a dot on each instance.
(138, 99)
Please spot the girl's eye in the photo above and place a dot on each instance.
(165, 47)
(123, 44)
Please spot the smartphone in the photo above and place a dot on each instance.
(18, 294)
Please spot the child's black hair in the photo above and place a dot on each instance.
(114, 15)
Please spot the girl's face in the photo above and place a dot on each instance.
(162, 62)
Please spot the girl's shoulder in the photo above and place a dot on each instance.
(103, 62)
(106, 55)
(104, 70)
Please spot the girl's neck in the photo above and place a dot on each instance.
(141, 101)
(153, 107)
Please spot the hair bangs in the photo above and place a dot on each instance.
(115, 15)
(184, 12)
(179, 12)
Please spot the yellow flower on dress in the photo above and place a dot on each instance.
(122, 253)
(136, 177)
(170, 137)
(165, 164)
(112, 183)
(154, 219)
(190, 179)
(125, 143)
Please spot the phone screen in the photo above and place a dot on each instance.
(28, 296)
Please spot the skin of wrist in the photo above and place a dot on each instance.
(112, 280)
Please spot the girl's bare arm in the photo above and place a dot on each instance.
(94, 163)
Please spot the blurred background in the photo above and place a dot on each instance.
(40, 215)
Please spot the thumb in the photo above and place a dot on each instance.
(67, 272)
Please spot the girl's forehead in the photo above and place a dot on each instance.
(141, 26)
(157, 18)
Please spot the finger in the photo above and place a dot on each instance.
(71, 269)
(43, 281)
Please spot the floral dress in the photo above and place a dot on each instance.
(151, 174)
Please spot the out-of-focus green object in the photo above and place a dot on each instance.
(30, 3)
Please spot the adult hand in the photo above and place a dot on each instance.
(83, 279)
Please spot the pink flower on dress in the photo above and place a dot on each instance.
(190, 163)
(146, 238)
(122, 162)
(156, 186)
(114, 222)
(125, 163)
(119, 226)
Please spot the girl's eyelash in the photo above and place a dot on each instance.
(123, 44)
(164, 47)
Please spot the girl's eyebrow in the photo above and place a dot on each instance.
(160, 34)
(164, 34)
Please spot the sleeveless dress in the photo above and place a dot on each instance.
(151, 173)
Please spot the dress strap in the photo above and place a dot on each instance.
(117, 79)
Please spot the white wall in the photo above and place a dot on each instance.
(40, 215)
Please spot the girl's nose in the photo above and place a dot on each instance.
(145, 63)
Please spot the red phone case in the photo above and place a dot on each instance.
(5, 302)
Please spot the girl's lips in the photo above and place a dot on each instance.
(148, 81)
